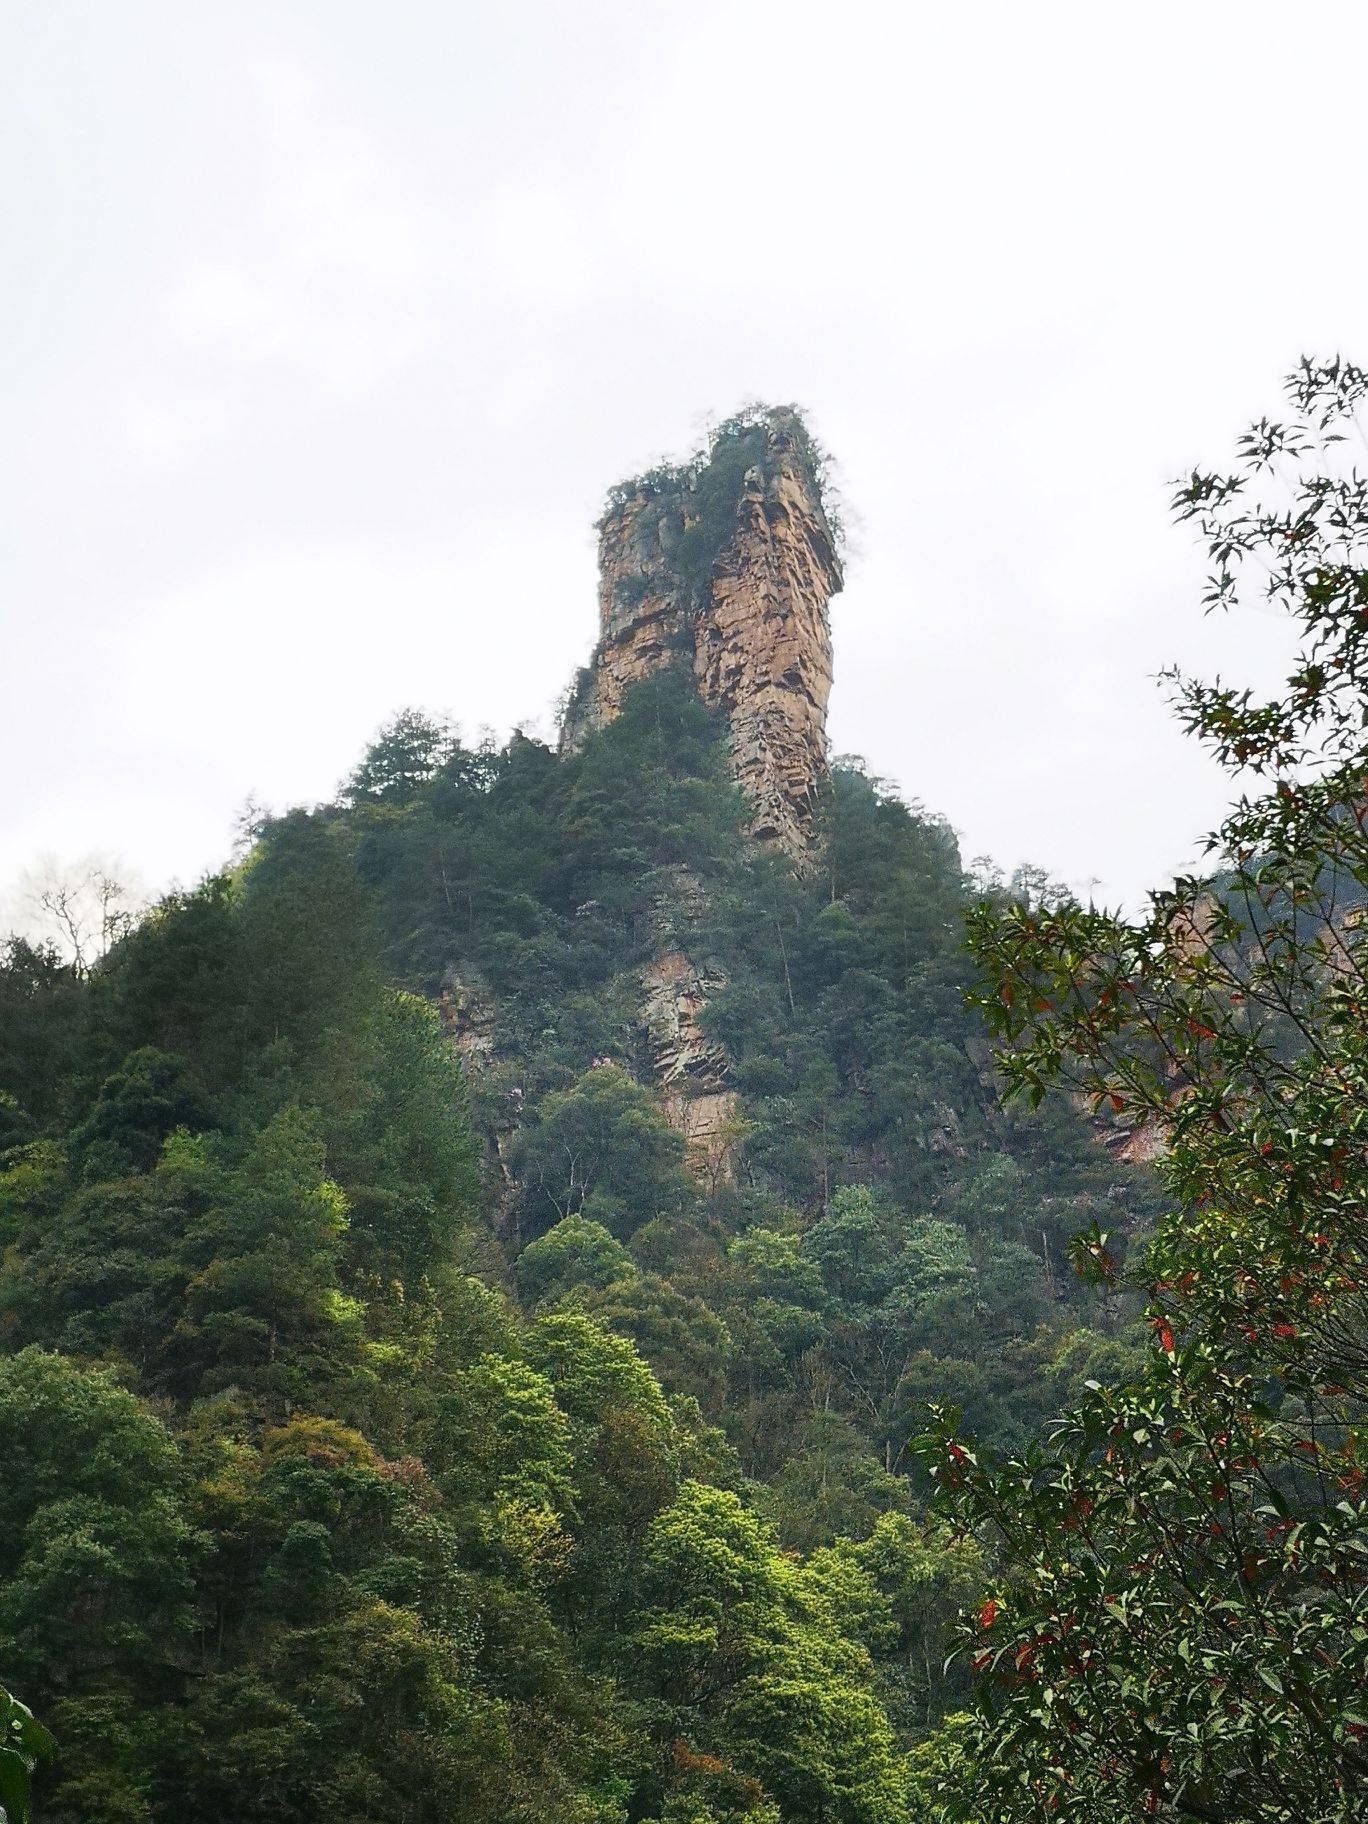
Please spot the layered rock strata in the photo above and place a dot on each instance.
(748, 615)
(727, 566)
(690, 1071)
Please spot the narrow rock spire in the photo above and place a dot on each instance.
(727, 564)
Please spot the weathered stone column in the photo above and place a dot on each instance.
(749, 615)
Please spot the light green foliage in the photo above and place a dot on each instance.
(681, 1808)
(745, 1652)
(578, 1262)
(927, 1578)
(262, 1310)
(687, 1345)
(773, 1265)
(595, 1374)
(498, 1435)
(939, 1768)
(574, 1253)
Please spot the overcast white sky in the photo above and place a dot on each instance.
(326, 324)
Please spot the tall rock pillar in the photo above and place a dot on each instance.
(728, 564)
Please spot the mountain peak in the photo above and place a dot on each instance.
(726, 564)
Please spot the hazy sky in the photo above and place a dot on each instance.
(325, 327)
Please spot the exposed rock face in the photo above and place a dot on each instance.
(726, 565)
(689, 1071)
(730, 569)
(467, 1016)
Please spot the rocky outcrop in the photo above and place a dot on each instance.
(689, 1070)
(466, 1012)
(728, 565)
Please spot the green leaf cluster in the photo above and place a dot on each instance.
(1180, 1629)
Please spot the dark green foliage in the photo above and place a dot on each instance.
(148, 1097)
(97, 1559)
(1180, 1630)
(601, 1148)
(24, 1744)
(401, 760)
(41, 1028)
(712, 502)
(308, 1516)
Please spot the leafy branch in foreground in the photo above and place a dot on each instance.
(24, 1745)
(1181, 1631)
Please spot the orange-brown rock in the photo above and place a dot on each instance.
(725, 565)
(689, 1069)
(749, 615)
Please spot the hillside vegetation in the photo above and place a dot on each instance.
(388, 1434)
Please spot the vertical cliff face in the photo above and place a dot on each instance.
(728, 565)
(690, 1071)
(725, 564)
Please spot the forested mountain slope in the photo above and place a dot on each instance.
(404, 1414)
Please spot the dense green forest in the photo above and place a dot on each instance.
(395, 1426)
(401, 1418)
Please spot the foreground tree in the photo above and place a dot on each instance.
(1182, 1630)
(24, 1744)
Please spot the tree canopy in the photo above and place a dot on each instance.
(397, 1419)
(1180, 1629)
